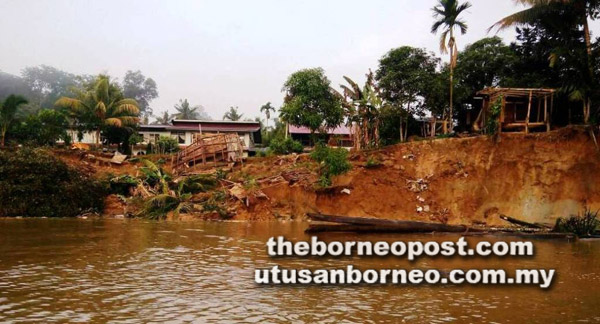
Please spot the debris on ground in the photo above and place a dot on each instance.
(418, 185)
(287, 159)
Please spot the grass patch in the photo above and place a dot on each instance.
(583, 224)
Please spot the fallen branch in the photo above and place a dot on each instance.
(346, 228)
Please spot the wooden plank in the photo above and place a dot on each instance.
(392, 225)
(539, 109)
(546, 119)
(528, 113)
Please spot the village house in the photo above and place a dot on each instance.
(185, 131)
(339, 136)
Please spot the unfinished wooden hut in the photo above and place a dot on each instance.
(209, 150)
(521, 109)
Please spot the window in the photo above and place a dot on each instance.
(151, 137)
(179, 136)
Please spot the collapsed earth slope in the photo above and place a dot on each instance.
(534, 177)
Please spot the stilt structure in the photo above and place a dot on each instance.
(209, 151)
(521, 109)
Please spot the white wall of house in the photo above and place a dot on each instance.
(152, 136)
(88, 137)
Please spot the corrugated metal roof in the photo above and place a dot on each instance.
(340, 130)
(211, 127)
(196, 121)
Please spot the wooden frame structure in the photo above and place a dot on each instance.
(209, 150)
(521, 108)
(431, 126)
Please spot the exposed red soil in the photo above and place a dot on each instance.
(535, 177)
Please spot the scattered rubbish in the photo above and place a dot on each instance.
(419, 209)
(118, 158)
(238, 192)
(292, 158)
(421, 199)
(426, 208)
(346, 191)
(441, 216)
(410, 157)
(418, 185)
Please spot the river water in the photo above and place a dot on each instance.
(107, 270)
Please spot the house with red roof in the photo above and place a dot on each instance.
(184, 131)
(340, 136)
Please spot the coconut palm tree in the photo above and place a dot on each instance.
(447, 13)
(8, 112)
(267, 108)
(101, 104)
(163, 119)
(585, 9)
(232, 114)
(186, 111)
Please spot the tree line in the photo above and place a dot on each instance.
(553, 49)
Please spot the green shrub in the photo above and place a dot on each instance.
(492, 120)
(157, 207)
(122, 185)
(154, 175)
(34, 183)
(372, 162)
(42, 129)
(334, 161)
(216, 203)
(581, 225)
(221, 174)
(324, 181)
(280, 145)
(198, 183)
(264, 153)
(320, 152)
(166, 145)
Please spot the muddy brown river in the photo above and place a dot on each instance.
(130, 271)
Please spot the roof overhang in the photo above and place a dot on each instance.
(516, 92)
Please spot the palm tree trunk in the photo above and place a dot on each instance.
(401, 132)
(451, 92)
(451, 78)
(588, 46)
(98, 138)
(3, 136)
(588, 43)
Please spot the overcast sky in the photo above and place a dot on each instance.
(223, 53)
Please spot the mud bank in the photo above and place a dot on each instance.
(535, 177)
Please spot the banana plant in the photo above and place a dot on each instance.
(362, 106)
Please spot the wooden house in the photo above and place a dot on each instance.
(521, 109)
